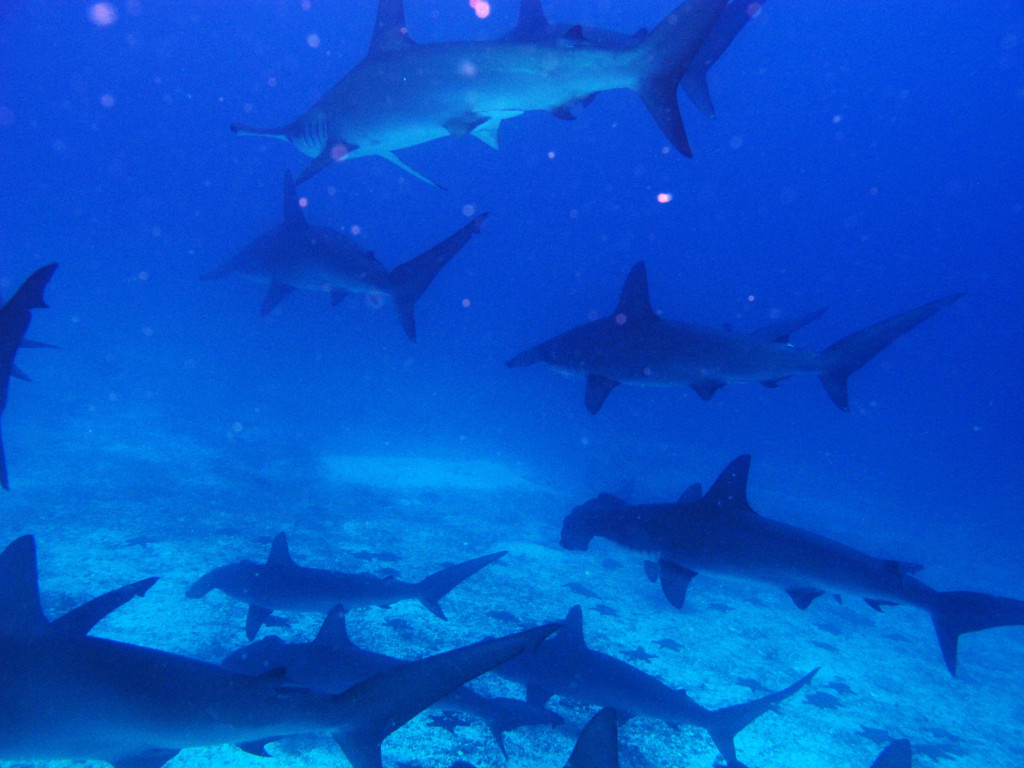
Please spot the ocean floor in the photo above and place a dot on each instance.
(169, 507)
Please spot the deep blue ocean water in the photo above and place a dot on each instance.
(866, 156)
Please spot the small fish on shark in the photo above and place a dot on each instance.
(15, 316)
(333, 663)
(634, 345)
(281, 584)
(295, 254)
(403, 94)
(69, 696)
(719, 532)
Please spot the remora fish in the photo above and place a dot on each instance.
(282, 584)
(333, 663)
(297, 255)
(721, 533)
(403, 94)
(563, 665)
(634, 345)
(15, 316)
(68, 696)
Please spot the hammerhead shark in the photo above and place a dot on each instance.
(297, 255)
(15, 316)
(333, 663)
(564, 665)
(403, 94)
(634, 345)
(69, 696)
(720, 532)
(284, 585)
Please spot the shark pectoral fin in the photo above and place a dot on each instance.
(293, 216)
(393, 158)
(17, 373)
(899, 754)
(598, 389)
(257, 748)
(320, 162)
(691, 495)
(464, 124)
(537, 695)
(80, 620)
(254, 619)
(362, 749)
(276, 293)
(772, 383)
(674, 581)
(337, 296)
(878, 604)
(563, 112)
(659, 96)
(151, 758)
(706, 388)
(651, 571)
(803, 597)
(488, 133)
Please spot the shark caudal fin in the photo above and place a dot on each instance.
(729, 24)
(955, 613)
(850, 353)
(723, 724)
(411, 279)
(437, 585)
(663, 59)
(374, 708)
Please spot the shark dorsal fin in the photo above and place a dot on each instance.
(279, 556)
(635, 301)
(729, 493)
(532, 23)
(293, 216)
(389, 30)
(333, 633)
(570, 634)
(690, 496)
(598, 745)
(20, 610)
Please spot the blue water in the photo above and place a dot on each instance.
(868, 157)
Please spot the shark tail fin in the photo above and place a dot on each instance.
(955, 613)
(413, 277)
(374, 708)
(663, 59)
(850, 353)
(439, 584)
(725, 723)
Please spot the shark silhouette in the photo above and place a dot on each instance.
(297, 255)
(333, 663)
(282, 584)
(68, 696)
(719, 532)
(563, 665)
(403, 94)
(634, 345)
(15, 316)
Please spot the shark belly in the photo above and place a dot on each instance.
(399, 99)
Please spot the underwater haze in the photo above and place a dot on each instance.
(867, 157)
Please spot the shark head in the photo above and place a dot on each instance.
(233, 579)
(589, 520)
